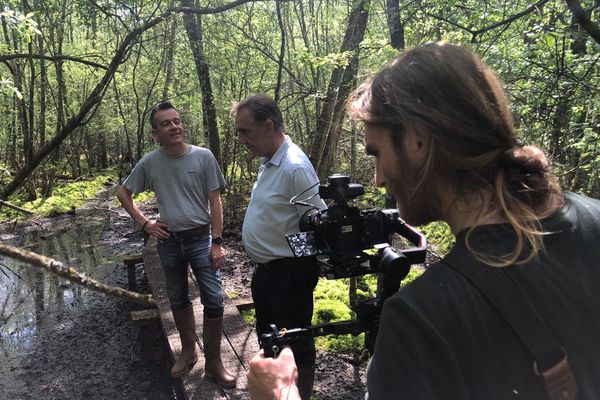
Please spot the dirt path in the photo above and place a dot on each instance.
(59, 341)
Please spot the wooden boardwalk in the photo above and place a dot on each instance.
(238, 345)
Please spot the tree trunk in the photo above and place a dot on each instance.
(583, 17)
(394, 24)
(281, 51)
(193, 28)
(170, 45)
(328, 123)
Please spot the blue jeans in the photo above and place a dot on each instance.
(175, 255)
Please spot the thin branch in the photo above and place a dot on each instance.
(512, 18)
(506, 21)
(50, 58)
(58, 268)
(215, 10)
(23, 210)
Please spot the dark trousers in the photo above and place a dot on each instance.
(282, 291)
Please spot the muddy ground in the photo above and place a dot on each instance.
(59, 341)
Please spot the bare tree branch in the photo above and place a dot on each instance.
(58, 268)
(511, 19)
(9, 57)
(213, 10)
(506, 21)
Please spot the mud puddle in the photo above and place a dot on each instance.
(59, 340)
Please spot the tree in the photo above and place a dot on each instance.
(328, 123)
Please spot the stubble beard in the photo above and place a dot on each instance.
(415, 197)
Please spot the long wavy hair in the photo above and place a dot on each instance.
(447, 93)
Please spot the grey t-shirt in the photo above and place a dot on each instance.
(181, 184)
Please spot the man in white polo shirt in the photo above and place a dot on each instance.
(282, 286)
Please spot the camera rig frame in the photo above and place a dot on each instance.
(392, 267)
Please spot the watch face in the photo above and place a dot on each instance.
(217, 240)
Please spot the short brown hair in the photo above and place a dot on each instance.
(160, 106)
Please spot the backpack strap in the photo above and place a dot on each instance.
(501, 289)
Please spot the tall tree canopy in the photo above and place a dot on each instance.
(77, 78)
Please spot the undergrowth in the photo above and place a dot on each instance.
(67, 196)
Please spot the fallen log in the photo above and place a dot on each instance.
(23, 210)
(70, 273)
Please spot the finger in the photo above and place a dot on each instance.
(258, 357)
(287, 355)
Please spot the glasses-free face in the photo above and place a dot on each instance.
(256, 136)
(169, 129)
(399, 169)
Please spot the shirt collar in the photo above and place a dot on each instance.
(279, 154)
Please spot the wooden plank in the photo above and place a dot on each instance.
(243, 303)
(238, 344)
(130, 262)
(144, 317)
(135, 259)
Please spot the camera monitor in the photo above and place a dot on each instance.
(307, 244)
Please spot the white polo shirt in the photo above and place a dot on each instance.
(270, 216)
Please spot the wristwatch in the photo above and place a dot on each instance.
(217, 240)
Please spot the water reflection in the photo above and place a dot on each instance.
(28, 294)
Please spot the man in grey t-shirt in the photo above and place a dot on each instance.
(187, 181)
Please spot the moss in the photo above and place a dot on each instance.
(439, 236)
(346, 344)
(67, 196)
(332, 289)
(330, 310)
(413, 274)
(143, 196)
(249, 316)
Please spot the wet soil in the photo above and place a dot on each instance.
(62, 341)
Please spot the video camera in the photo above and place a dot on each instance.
(350, 242)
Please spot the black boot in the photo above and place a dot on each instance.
(306, 379)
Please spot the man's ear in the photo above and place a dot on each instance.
(155, 136)
(417, 144)
(270, 127)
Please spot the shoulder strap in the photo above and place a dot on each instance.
(504, 293)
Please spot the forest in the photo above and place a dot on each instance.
(78, 77)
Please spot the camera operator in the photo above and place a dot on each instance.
(439, 126)
(282, 285)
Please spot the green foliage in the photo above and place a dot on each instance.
(332, 289)
(346, 344)
(67, 197)
(249, 316)
(413, 274)
(332, 310)
(144, 196)
(439, 236)
(23, 25)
